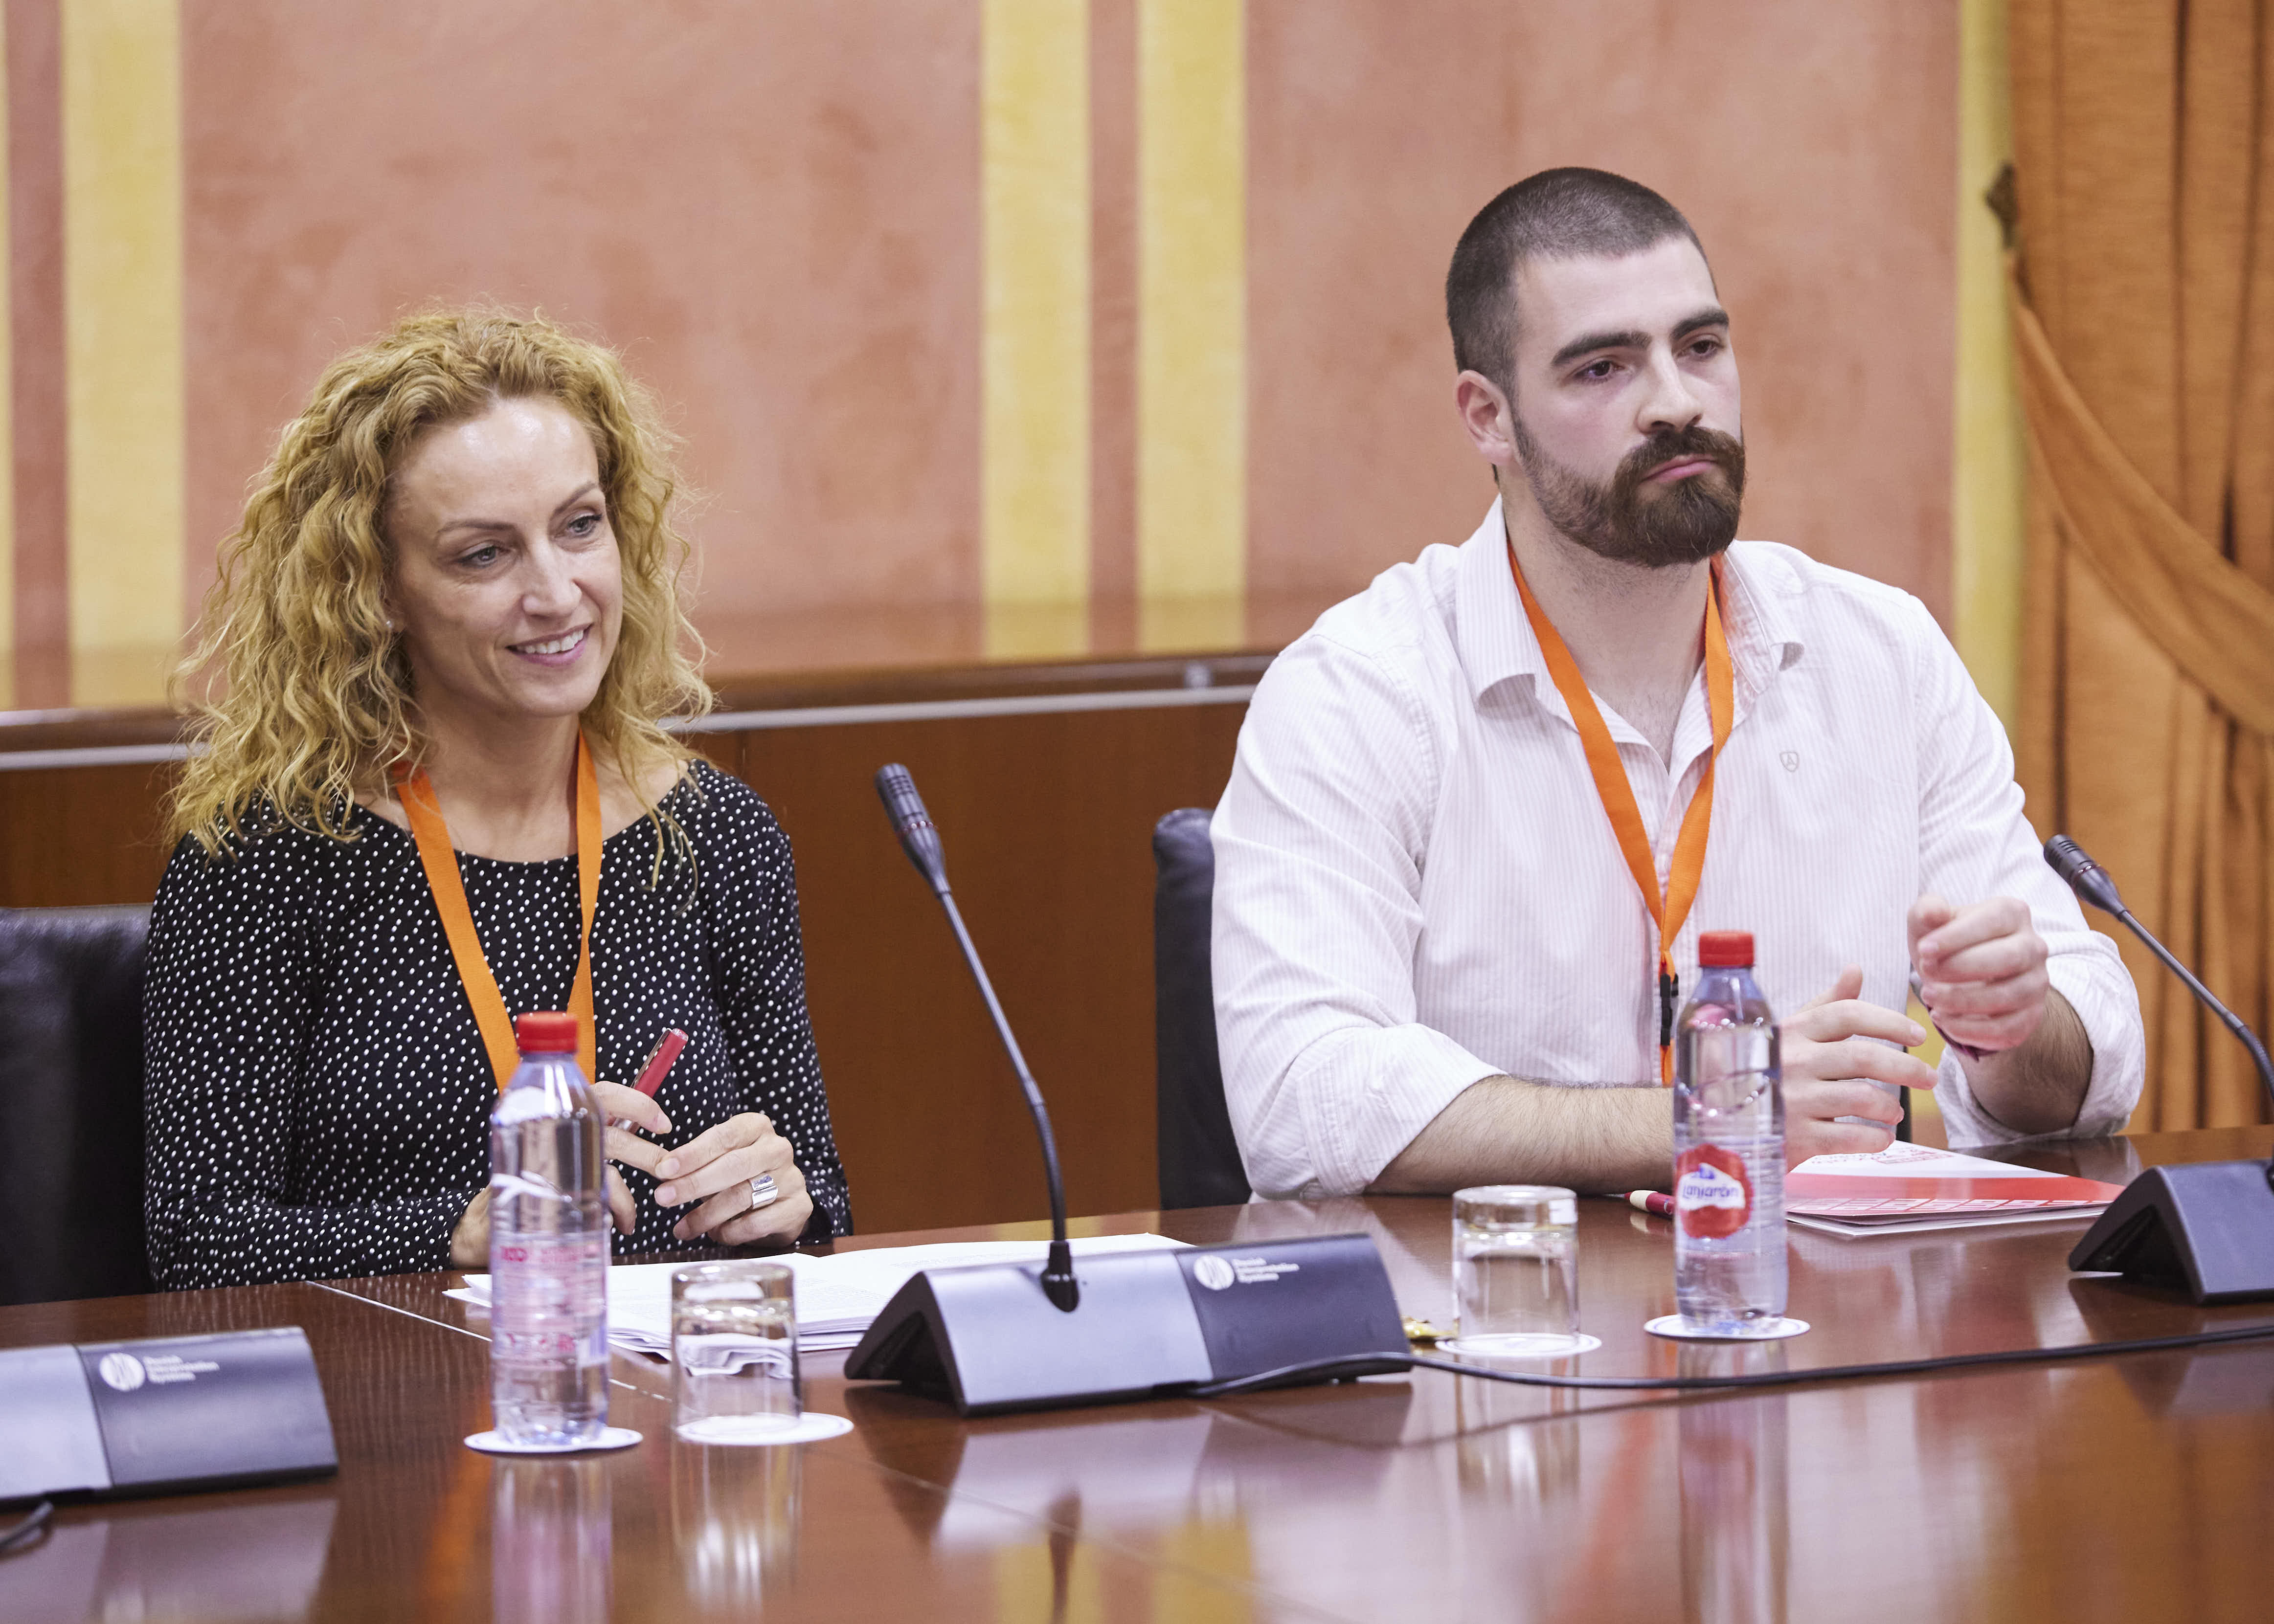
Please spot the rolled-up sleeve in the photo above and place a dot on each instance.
(1319, 843)
(1975, 843)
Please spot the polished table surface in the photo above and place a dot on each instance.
(2137, 1486)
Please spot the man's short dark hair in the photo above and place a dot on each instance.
(1556, 214)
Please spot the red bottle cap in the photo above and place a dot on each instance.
(1717, 950)
(549, 1032)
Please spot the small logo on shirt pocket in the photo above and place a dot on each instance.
(1791, 760)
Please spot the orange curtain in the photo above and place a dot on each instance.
(2143, 297)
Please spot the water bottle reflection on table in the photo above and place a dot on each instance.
(548, 1246)
(549, 1541)
(1735, 1493)
(1728, 1147)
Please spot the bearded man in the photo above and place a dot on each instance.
(1467, 800)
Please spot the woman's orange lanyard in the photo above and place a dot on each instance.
(1667, 913)
(416, 794)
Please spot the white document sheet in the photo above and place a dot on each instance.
(837, 1296)
(1918, 1161)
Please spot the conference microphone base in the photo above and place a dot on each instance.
(2204, 1228)
(161, 1414)
(1149, 1323)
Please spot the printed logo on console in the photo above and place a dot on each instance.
(1212, 1272)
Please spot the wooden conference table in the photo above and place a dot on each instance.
(2133, 1488)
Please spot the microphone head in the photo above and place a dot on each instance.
(2087, 878)
(897, 789)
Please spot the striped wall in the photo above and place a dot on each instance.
(1034, 325)
(124, 399)
(95, 500)
(991, 327)
(1191, 327)
(1987, 456)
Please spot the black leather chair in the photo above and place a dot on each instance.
(1199, 1161)
(70, 1125)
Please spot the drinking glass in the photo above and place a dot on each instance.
(733, 1352)
(1516, 1272)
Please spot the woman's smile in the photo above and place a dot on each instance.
(558, 650)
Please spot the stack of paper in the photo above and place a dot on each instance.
(837, 1296)
(1907, 1188)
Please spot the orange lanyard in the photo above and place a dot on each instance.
(416, 794)
(1667, 913)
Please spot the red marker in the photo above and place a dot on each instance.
(657, 1065)
(1651, 1201)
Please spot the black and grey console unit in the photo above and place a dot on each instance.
(172, 1412)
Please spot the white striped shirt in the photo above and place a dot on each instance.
(1417, 887)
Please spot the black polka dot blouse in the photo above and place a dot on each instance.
(317, 1092)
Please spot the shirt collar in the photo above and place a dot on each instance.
(1497, 644)
(1494, 636)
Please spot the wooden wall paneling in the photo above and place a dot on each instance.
(73, 836)
(1046, 822)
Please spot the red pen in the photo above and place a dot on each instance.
(1651, 1201)
(657, 1065)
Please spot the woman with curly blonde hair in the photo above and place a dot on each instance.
(447, 634)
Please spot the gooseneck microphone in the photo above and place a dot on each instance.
(1155, 1320)
(2089, 881)
(920, 839)
(2204, 1227)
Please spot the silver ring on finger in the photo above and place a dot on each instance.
(763, 1192)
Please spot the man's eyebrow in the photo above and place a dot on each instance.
(1715, 316)
(1628, 340)
(1636, 339)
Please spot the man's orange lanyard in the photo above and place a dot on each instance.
(416, 794)
(1667, 913)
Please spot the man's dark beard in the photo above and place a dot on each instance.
(1630, 523)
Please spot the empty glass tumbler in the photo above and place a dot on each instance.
(1516, 1272)
(733, 1352)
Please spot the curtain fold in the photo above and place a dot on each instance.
(2143, 303)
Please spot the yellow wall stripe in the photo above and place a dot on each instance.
(121, 136)
(1035, 341)
(1192, 323)
(7, 409)
(1987, 517)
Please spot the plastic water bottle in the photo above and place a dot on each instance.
(548, 1246)
(1728, 1147)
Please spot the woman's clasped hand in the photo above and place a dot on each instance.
(713, 1173)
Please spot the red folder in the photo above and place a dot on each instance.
(1836, 1195)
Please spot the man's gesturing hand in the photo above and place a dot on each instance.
(1827, 1052)
(1981, 969)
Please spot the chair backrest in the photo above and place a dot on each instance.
(70, 1103)
(1199, 1161)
